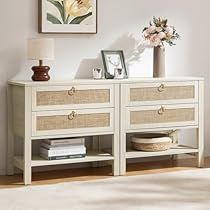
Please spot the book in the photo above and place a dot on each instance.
(58, 147)
(62, 152)
(63, 157)
(72, 141)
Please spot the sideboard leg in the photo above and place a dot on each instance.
(123, 154)
(123, 131)
(10, 134)
(175, 139)
(10, 155)
(115, 153)
(27, 162)
(174, 157)
(116, 135)
(200, 137)
(200, 130)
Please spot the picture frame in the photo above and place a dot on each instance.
(59, 17)
(114, 61)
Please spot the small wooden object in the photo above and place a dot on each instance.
(40, 72)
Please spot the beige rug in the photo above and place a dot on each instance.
(187, 190)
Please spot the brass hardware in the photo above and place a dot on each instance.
(161, 110)
(72, 91)
(72, 115)
(161, 88)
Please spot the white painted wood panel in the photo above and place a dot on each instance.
(175, 150)
(92, 156)
(18, 110)
(103, 81)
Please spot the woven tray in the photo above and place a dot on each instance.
(151, 147)
(151, 143)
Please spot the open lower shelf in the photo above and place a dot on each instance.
(93, 156)
(173, 151)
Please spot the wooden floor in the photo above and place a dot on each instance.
(85, 174)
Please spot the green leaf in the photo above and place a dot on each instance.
(59, 7)
(51, 18)
(79, 19)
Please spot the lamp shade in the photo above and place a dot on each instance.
(41, 49)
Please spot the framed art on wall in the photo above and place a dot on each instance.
(114, 64)
(68, 16)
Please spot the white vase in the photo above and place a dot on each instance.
(159, 62)
(97, 73)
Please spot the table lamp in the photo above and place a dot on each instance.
(40, 49)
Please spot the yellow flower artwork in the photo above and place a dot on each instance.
(69, 15)
(70, 11)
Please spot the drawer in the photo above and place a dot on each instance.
(162, 93)
(147, 117)
(72, 121)
(72, 97)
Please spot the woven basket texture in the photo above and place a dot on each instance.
(80, 121)
(170, 115)
(169, 93)
(47, 98)
(151, 147)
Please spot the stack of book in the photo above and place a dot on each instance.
(59, 149)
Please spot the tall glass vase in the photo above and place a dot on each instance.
(159, 62)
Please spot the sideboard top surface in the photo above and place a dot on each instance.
(101, 81)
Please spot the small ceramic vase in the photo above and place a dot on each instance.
(97, 73)
(118, 73)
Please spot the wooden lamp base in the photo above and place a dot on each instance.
(40, 73)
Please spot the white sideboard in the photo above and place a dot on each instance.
(59, 109)
(161, 105)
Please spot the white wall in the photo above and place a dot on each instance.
(119, 22)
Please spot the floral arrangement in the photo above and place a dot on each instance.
(70, 11)
(159, 32)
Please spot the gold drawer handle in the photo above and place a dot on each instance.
(72, 115)
(72, 91)
(161, 88)
(161, 110)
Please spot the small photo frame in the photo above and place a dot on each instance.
(113, 61)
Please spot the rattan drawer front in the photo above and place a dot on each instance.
(167, 91)
(47, 98)
(73, 97)
(79, 121)
(162, 116)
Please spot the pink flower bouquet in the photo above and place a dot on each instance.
(159, 32)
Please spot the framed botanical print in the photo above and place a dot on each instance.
(114, 64)
(68, 16)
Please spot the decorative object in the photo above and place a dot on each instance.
(118, 73)
(151, 105)
(158, 33)
(68, 16)
(97, 73)
(113, 60)
(41, 49)
(159, 62)
(69, 109)
(153, 142)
